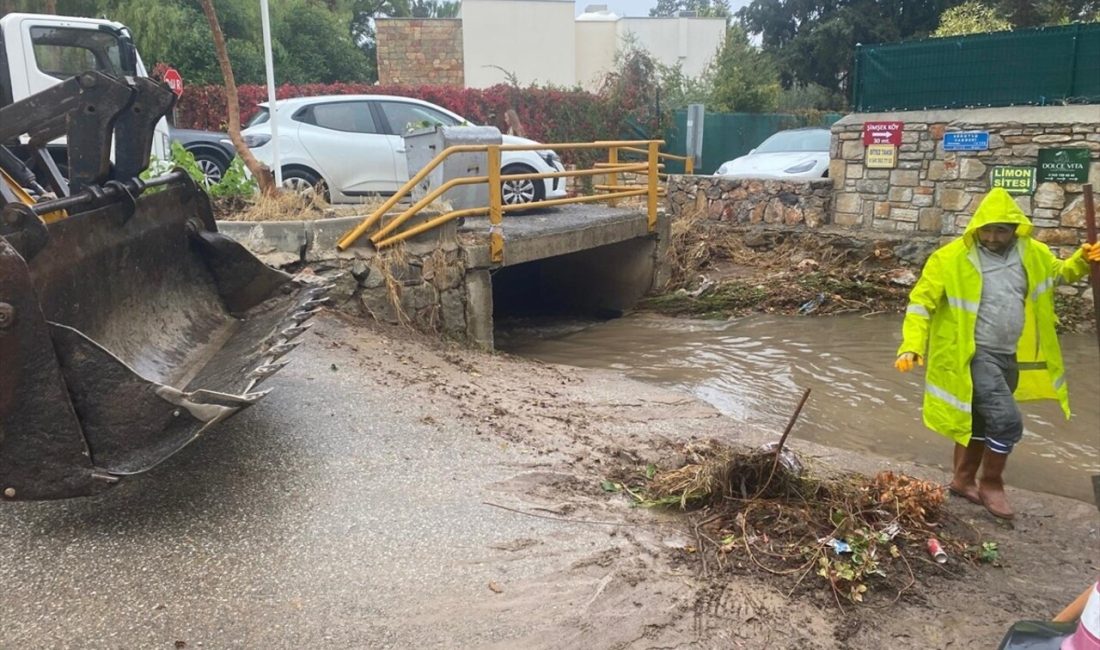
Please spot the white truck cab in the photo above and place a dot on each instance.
(40, 50)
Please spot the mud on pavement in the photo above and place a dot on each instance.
(400, 492)
(643, 585)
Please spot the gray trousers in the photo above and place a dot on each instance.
(996, 419)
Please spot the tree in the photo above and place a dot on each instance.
(702, 8)
(259, 171)
(313, 49)
(744, 78)
(971, 18)
(632, 87)
(813, 41)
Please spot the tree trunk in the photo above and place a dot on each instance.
(51, 7)
(260, 171)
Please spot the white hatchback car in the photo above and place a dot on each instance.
(354, 145)
(794, 154)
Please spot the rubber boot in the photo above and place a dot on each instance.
(967, 461)
(991, 488)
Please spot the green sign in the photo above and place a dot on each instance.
(1016, 180)
(1063, 165)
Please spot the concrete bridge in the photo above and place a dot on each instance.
(580, 258)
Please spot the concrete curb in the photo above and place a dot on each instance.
(288, 242)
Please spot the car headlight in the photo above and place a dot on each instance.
(723, 170)
(804, 166)
(551, 158)
(253, 141)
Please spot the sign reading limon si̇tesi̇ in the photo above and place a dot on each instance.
(882, 133)
(1015, 180)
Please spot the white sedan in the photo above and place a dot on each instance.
(353, 146)
(797, 154)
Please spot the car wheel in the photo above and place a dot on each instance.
(212, 165)
(304, 182)
(520, 192)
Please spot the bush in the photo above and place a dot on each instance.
(547, 114)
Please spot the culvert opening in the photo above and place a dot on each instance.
(557, 294)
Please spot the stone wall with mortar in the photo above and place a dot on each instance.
(420, 51)
(422, 284)
(932, 191)
(752, 201)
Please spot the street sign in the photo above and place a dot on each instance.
(881, 156)
(1064, 165)
(1015, 180)
(174, 80)
(882, 132)
(966, 141)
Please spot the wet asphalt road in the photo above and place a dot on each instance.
(328, 515)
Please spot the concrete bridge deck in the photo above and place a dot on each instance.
(554, 231)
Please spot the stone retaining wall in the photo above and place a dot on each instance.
(933, 191)
(422, 284)
(751, 201)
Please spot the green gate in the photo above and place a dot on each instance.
(729, 135)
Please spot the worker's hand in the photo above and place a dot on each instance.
(1091, 252)
(906, 361)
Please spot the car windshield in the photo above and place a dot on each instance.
(261, 116)
(809, 140)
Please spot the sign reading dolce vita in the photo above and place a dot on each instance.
(1063, 165)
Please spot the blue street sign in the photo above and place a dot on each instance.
(966, 141)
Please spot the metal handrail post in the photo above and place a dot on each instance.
(496, 214)
(651, 195)
(613, 177)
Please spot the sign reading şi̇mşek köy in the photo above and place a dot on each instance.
(1063, 165)
(882, 133)
(880, 156)
(1015, 180)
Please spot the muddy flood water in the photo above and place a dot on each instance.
(754, 369)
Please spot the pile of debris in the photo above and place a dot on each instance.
(761, 512)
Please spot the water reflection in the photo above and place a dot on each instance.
(754, 369)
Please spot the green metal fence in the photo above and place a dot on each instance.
(729, 135)
(1046, 65)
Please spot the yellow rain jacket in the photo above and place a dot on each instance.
(943, 309)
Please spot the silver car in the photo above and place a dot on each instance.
(353, 146)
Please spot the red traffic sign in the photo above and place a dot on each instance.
(174, 81)
(882, 132)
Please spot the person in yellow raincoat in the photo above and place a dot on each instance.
(982, 314)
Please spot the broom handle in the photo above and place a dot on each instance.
(1094, 267)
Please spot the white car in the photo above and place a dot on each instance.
(354, 146)
(797, 154)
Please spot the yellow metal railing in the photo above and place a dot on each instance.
(388, 234)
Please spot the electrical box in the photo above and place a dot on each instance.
(423, 145)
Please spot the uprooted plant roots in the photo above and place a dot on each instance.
(759, 512)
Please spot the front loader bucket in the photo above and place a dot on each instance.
(125, 332)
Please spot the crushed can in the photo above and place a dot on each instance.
(935, 549)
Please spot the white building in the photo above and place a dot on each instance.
(544, 42)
